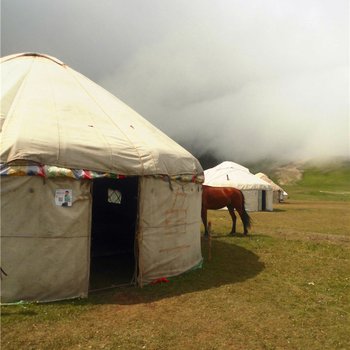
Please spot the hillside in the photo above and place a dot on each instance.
(315, 182)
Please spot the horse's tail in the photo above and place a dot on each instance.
(247, 220)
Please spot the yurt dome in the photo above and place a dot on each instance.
(55, 115)
(94, 187)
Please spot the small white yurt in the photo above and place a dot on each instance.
(84, 178)
(279, 194)
(257, 193)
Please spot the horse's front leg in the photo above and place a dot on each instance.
(204, 219)
(234, 219)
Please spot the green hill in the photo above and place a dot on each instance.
(322, 182)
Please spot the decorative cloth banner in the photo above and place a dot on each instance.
(49, 171)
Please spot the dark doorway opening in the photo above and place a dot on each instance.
(113, 227)
(263, 201)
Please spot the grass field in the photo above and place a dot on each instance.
(285, 286)
(323, 183)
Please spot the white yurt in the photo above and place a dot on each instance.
(85, 177)
(257, 193)
(279, 195)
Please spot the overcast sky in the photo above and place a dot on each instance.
(245, 79)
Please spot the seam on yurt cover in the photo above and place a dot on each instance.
(70, 72)
(111, 119)
(114, 97)
(58, 149)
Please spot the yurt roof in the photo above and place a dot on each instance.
(230, 174)
(264, 177)
(51, 114)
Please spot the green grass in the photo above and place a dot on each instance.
(285, 286)
(323, 183)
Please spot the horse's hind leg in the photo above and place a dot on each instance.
(242, 215)
(246, 220)
(231, 210)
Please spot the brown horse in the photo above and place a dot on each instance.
(220, 197)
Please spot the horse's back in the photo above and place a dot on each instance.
(220, 197)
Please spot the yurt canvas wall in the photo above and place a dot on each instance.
(45, 248)
(258, 199)
(257, 193)
(63, 135)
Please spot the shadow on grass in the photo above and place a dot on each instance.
(229, 264)
(277, 210)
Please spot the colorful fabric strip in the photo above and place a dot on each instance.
(50, 171)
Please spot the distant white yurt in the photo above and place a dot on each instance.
(258, 194)
(279, 194)
(83, 176)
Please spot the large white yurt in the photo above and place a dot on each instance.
(257, 193)
(279, 194)
(83, 177)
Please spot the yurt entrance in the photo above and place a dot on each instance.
(114, 216)
(263, 201)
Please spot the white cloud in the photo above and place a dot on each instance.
(248, 79)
